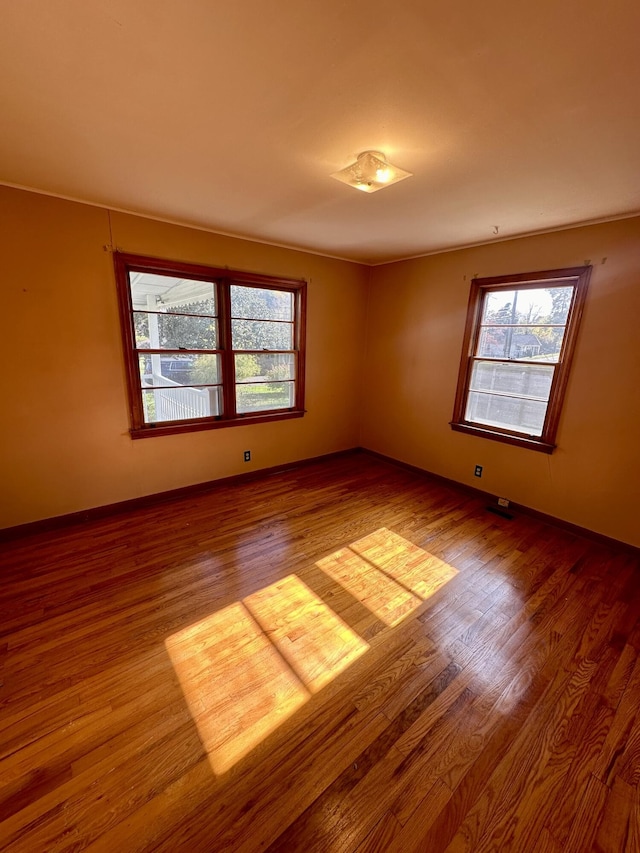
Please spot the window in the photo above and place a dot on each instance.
(208, 347)
(518, 345)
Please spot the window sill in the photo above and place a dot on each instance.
(175, 427)
(506, 438)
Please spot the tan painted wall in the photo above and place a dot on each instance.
(416, 318)
(64, 443)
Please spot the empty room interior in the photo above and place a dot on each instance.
(320, 457)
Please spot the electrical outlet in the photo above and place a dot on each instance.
(478, 471)
(503, 502)
(247, 456)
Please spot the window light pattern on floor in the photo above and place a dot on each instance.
(390, 576)
(246, 669)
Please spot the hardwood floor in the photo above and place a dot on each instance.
(343, 657)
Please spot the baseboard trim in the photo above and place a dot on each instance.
(513, 507)
(57, 522)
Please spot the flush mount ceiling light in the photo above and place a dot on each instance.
(371, 173)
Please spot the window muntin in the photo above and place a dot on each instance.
(519, 342)
(206, 347)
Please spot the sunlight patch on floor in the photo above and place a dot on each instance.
(309, 635)
(387, 574)
(237, 686)
(246, 669)
(379, 593)
(411, 566)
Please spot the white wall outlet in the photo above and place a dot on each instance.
(503, 502)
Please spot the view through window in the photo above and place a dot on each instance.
(519, 342)
(208, 347)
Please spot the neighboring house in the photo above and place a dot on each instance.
(524, 345)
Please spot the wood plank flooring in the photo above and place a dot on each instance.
(344, 657)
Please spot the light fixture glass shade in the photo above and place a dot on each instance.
(371, 172)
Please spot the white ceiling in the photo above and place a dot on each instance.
(232, 115)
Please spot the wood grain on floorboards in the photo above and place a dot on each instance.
(342, 657)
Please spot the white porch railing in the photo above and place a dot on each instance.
(177, 403)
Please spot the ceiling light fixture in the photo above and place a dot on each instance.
(371, 172)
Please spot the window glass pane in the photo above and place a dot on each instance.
(152, 292)
(523, 380)
(168, 371)
(264, 368)
(173, 331)
(526, 306)
(530, 343)
(179, 404)
(265, 395)
(257, 335)
(513, 413)
(255, 303)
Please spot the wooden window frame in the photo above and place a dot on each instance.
(578, 277)
(222, 279)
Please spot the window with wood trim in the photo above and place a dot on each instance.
(207, 347)
(518, 345)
